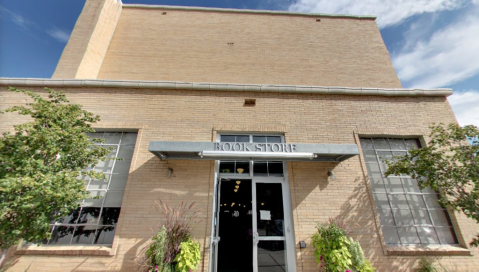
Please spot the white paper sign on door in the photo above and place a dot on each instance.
(264, 215)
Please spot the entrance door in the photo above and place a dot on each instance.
(252, 226)
(269, 228)
(235, 221)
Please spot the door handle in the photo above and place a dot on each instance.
(255, 237)
(216, 240)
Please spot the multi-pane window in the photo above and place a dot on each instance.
(259, 168)
(95, 221)
(408, 214)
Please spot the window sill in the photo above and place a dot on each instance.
(66, 250)
(423, 250)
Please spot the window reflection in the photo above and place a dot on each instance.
(271, 256)
(408, 215)
(95, 221)
(270, 213)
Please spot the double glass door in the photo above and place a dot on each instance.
(252, 226)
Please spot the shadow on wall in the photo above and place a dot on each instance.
(316, 198)
(357, 212)
(190, 181)
(140, 217)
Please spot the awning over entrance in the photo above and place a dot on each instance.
(172, 150)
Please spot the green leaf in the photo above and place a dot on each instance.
(40, 165)
(448, 164)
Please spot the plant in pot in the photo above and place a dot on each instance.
(172, 248)
(337, 252)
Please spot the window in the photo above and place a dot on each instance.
(408, 214)
(259, 168)
(95, 221)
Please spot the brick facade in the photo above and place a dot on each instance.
(197, 116)
(186, 45)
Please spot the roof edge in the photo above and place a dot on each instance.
(209, 86)
(270, 12)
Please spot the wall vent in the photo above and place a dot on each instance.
(250, 102)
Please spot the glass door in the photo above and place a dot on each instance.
(269, 226)
(252, 201)
(215, 238)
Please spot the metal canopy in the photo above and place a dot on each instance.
(172, 150)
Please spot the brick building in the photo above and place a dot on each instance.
(271, 121)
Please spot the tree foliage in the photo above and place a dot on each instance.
(448, 164)
(41, 163)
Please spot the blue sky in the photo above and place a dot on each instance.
(432, 43)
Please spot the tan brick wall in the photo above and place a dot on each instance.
(268, 49)
(87, 46)
(194, 115)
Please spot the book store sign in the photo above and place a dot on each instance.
(255, 147)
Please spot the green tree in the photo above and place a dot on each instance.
(448, 164)
(41, 163)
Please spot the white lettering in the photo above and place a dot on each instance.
(275, 145)
(259, 147)
(237, 145)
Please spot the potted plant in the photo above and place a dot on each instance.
(334, 251)
(172, 248)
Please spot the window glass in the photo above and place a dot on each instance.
(261, 168)
(235, 138)
(227, 138)
(271, 256)
(366, 144)
(259, 139)
(242, 138)
(227, 167)
(412, 143)
(268, 168)
(234, 167)
(275, 169)
(381, 143)
(407, 214)
(95, 221)
(397, 144)
(273, 139)
(265, 168)
(270, 201)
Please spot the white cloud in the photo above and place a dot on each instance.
(32, 27)
(466, 107)
(18, 19)
(58, 34)
(389, 12)
(450, 55)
